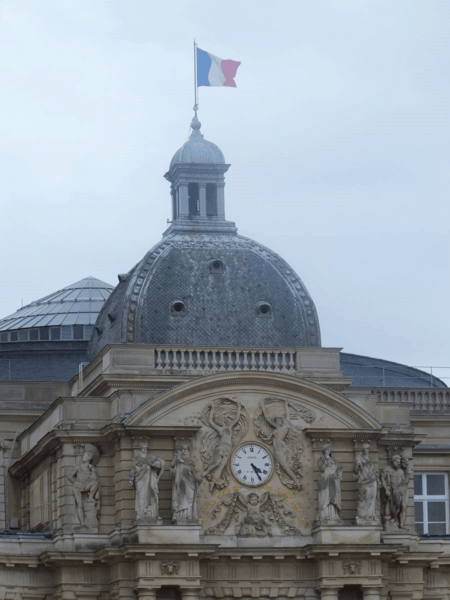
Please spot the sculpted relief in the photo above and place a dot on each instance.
(228, 421)
(253, 515)
(274, 425)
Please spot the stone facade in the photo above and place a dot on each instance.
(241, 539)
(212, 448)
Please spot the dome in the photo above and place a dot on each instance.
(208, 290)
(77, 304)
(197, 149)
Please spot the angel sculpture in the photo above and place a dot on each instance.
(277, 429)
(229, 422)
(254, 523)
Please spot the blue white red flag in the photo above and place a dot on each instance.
(212, 70)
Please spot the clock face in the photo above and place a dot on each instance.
(252, 464)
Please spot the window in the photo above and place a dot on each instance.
(264, 310)
(431, 503)
(211, 200)
(193, 193)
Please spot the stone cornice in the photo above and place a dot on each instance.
(282, 381)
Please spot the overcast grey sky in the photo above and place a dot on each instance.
(338, 136)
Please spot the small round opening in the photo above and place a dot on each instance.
(216, 264)
(178, 307)
(264, 309)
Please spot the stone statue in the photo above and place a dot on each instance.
(84, 480)
(394, 492)
(145, 476)
(274, 425)
(368, 483)
(329, 485)
(254, 523)
(229, 422)
(185, 487)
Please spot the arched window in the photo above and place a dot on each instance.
(211, 200)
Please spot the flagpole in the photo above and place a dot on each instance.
(195, 79)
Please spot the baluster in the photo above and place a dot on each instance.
(283, 363)
(159, 359)
(276, 366)
(253, 361)
(190, 360)
(260, 361)
(176, 360)
(245, 361)
(291, 362)
(221, 361)
(199, 359)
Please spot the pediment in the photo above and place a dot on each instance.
(183, 405)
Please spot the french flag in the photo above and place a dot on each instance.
(212, 70)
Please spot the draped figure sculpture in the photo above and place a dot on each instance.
(329, 485)
(185, 487)
(145, 476)
(368, 483)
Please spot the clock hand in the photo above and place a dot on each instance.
(257, 471)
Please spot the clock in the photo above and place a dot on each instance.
(252, 464)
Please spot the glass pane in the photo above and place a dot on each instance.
(418, 507)
(70, 319)
(43, 331)
(23, 336)
(14, 336)
(55, 333)
(419, 528)
(66, 333)
(436, 528)
(83, 319)
(34, 334)
(436, 485)
(436, 511)
(3, 337)
(87, 331)
(418, 485)
(78, 332)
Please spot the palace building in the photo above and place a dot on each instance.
(185, 435)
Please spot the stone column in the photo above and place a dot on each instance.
(329, 593)
(371, 593)
(147, 594)
(202, 199)
(190, 593)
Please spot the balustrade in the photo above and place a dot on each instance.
(218, 359)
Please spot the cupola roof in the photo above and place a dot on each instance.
(197, 149)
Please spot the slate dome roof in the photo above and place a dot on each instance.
(232, 292)
(197, 149)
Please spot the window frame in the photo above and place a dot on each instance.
(425, 498)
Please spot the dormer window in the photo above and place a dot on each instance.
(194, 197)
(211, 200)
